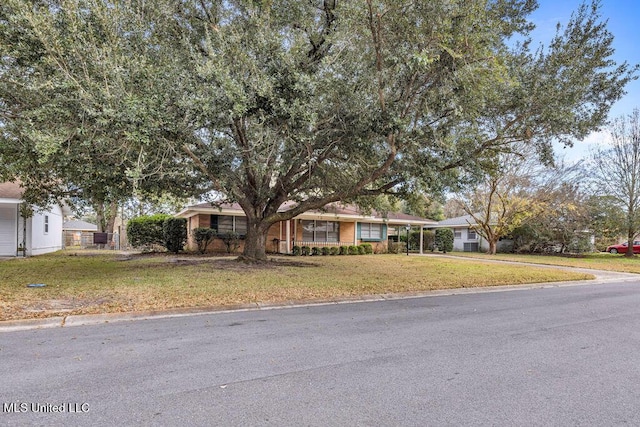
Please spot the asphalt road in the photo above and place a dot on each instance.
(556, 356)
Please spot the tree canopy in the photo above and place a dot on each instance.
(268, 101)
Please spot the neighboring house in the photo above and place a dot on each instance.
(78, 233)
(465, 238)
(34, 235)
(336, 225)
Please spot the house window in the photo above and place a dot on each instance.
(46, 224)
(227, 224)
(471, 235)
(369, 231)
(320, 231)
(457, 234)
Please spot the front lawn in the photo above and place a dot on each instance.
(102, 282)
(596, 261)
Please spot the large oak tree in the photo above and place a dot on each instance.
(313, 101)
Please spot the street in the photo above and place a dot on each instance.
(554, 356)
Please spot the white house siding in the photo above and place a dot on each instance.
(41, 241)
(459, 242)
(8, 234)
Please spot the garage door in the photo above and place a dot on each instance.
(8, 231)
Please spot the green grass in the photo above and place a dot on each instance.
(90, 282)
(597, 261)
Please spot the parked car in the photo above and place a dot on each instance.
(622, 248)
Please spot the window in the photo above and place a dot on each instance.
(471, 234)
(320, 231)
(46, 224)
(369, 231)
(226, 224)
(457, 234)
(471, 247)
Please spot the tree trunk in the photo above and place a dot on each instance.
(630, 237)
(255, 242)
(99, 208)
(111, 218)
(493, 246)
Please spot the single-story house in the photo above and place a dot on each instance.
(78, 233)
(34, 235)
(465, 236)
(335, 225)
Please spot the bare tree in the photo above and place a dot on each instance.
(519, 187)
(617, 171)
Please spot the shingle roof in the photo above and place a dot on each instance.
(464, 220)
(10, 190)
(334, 208)
(79, 225)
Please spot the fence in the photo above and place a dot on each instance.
(93, 240)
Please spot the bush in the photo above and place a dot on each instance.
(297, 251)
(444, 239)
(174, 231)
(147, 230)
(394, 247)
(315, 251)
(361, 250)
(325, 251)
(353, 250)
(231, 242)
(344, 250)
(203, 236)
(306, 250)
(368, 248)
(334, 250)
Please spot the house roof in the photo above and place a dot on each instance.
(78, 225)
(11, 190)
(460, 221)
(332, 211)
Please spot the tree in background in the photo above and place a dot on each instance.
(616, 170)
(606, 220)
(517, 189)
(308, 101)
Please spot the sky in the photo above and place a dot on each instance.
(623, 18)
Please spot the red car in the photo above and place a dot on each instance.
(622, 248)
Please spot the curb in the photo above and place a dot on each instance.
(96, 319)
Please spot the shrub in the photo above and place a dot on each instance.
(315, 251)
(297, 251)
(174, 231)
(231, 242)
(325, 251)
(334, 250)
(343, 250)
(306, 250)
(368, 248)
(444, 239)
(394, 247)
(353, 250)
(203, 236)
(147, 230)
(361, 250)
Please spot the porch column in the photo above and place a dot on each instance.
(421, 237)
(355, 234)
(288, 235)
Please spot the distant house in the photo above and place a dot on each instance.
(335, 225)
(33, 235)
(78, 233)
(465, 237)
